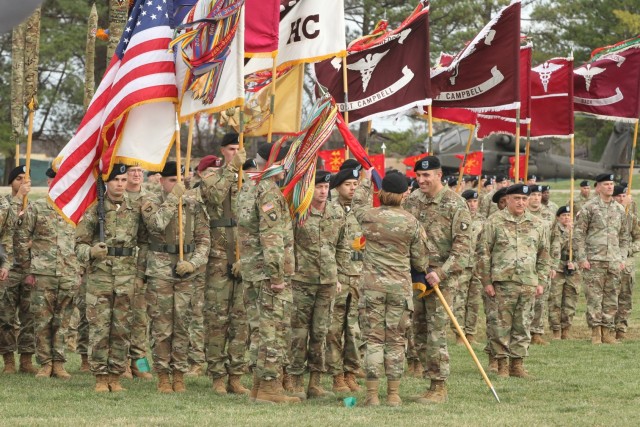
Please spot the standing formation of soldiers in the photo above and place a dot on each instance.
(208, 271)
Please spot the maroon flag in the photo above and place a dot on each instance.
(484, 75)
(386, 77)
(552, 99)
(505, 121)
(608, 86)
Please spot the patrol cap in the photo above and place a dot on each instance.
(264, 151)
(469, 194)
(171, 169)
(344, 175)
(499, 195)
(117, 169)
(619, 189)
(394, 183)
(427, 163)
(230, 138)
(50, 173)
(209, 161)
(563, 210)
(249, 164)
(535, 189)
(603, 177)
(351, 164)
(518, 189)
(500, 178)
(15, 172)
(323, 177)
(584, 183)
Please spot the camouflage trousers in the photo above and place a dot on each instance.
(466, 303)
(385, 318)
(310, 321)
(511, 336)
(491, 319)
(169, 312)
(563, 299)
(139, 322)
(430, 324)
(15, 301)
(51, 301)
(539, 311)
(196, 327)
(226, 322)
(412, 352)
(273, 325)
(80, 300)
(602, 284)
(342, 354)
(251, 293)
(627, 280)
(109, 300)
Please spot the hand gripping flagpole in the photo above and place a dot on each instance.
(464, 160)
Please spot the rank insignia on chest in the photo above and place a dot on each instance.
(464, 226)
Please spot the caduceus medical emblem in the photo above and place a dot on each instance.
(544, 72)
(588, 72)
(366, 66)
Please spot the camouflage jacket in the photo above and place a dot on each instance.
(552, 207)
(545, 215)
(486, 206)
(215, 188)
(16, 261)
(46, 241)
(321, 246)
(599, 233)
(160, 216)
(559, 247)
(578, 203)
(395, 242)
(353, 232)
(447, 221)
(265, 233)
(123, 228)
(8, 220)
(513, 249)
(477, 222)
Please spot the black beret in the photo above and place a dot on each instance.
(351, 164)
(394, 183)
(264, 151)
(18, 170)
(500, 178)
(533, 177)
(469, 194)
(584, 184)
(546, 187)
(488, 182)
(171, 169)
(520, 189)
(427, 163)
(230, 138)
(249, 164)
(344, 175)
(149, 173)
(499, 195)
(50, 173)
(619, 189)
(604, 177)
(470, 179)
(117, 169)
(535, 189)
(323, 177)
(452, 182)
(563, 210)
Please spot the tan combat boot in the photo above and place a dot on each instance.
(493, 364)
(609, 336)
(235, 386)
(195, 370)
(393, 396)
(516, 369)
(102, 383)
(297, 390)
(164, 383)
(268, 393)
(372, 398)
(538, 340)
(339, 386)
(437, 393)
(26, 366)
(254, 387)
(114, 383)
(178, 382)
(9, 364)
(218, 385)
(287, 383)
(350, 380)
(418, 370)
(596, 335)
(59, 371)
(565, 333)
(127, 375)
(45, 371)
(314, 389)
(503, 367)
(459, 340)
(137, 373)
(360, 374)
(620, 335)
(84, 366)
(557, 334)
(470, 338)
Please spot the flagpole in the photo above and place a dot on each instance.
(274, 76)
(17, 87)
(526, 152)
(345, 88)
(187, 165)
(90, 54)
(240, 171)
(430, 122)
(464, 160)
(571, 197)
(179, 176)
(517, 163)
(27, 170)
(632, 163)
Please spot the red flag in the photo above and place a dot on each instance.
(377, 160)
(552, 99)
(458, 116)
(262, 21)
(410, 162)
(512, 169)
(333, 159)
(505, 121)
(484, 75)
(608, 86)
(473, 164)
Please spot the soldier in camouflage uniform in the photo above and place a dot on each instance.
(226, 318)
(485, 206)
(46, 242)
(513, 267)
(565, 277)
(171, 280)
(16, 295)
(627, 276)
(446, 216)
(342, 356)
(321, 251)
(600, 242)
(112, 269)
(546, 199)
(582, 199)
(396, 246)
(466, 302)
(265, 234)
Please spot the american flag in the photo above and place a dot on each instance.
(139, 85)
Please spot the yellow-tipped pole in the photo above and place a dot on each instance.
(572, 160)
(179, 176)
(345, 88)
(430, 122)
(27, 171)
(633, 161)
(526, 152)
(464, 159)
(517, 162)
(240, 177)
(187, 165)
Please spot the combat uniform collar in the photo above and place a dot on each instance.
(526, 216)
(317, 212)
(437, 198)
(126, 203)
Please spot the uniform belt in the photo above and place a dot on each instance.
(172, 249)
(224, 222)
(120, 251)
(357, 256)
